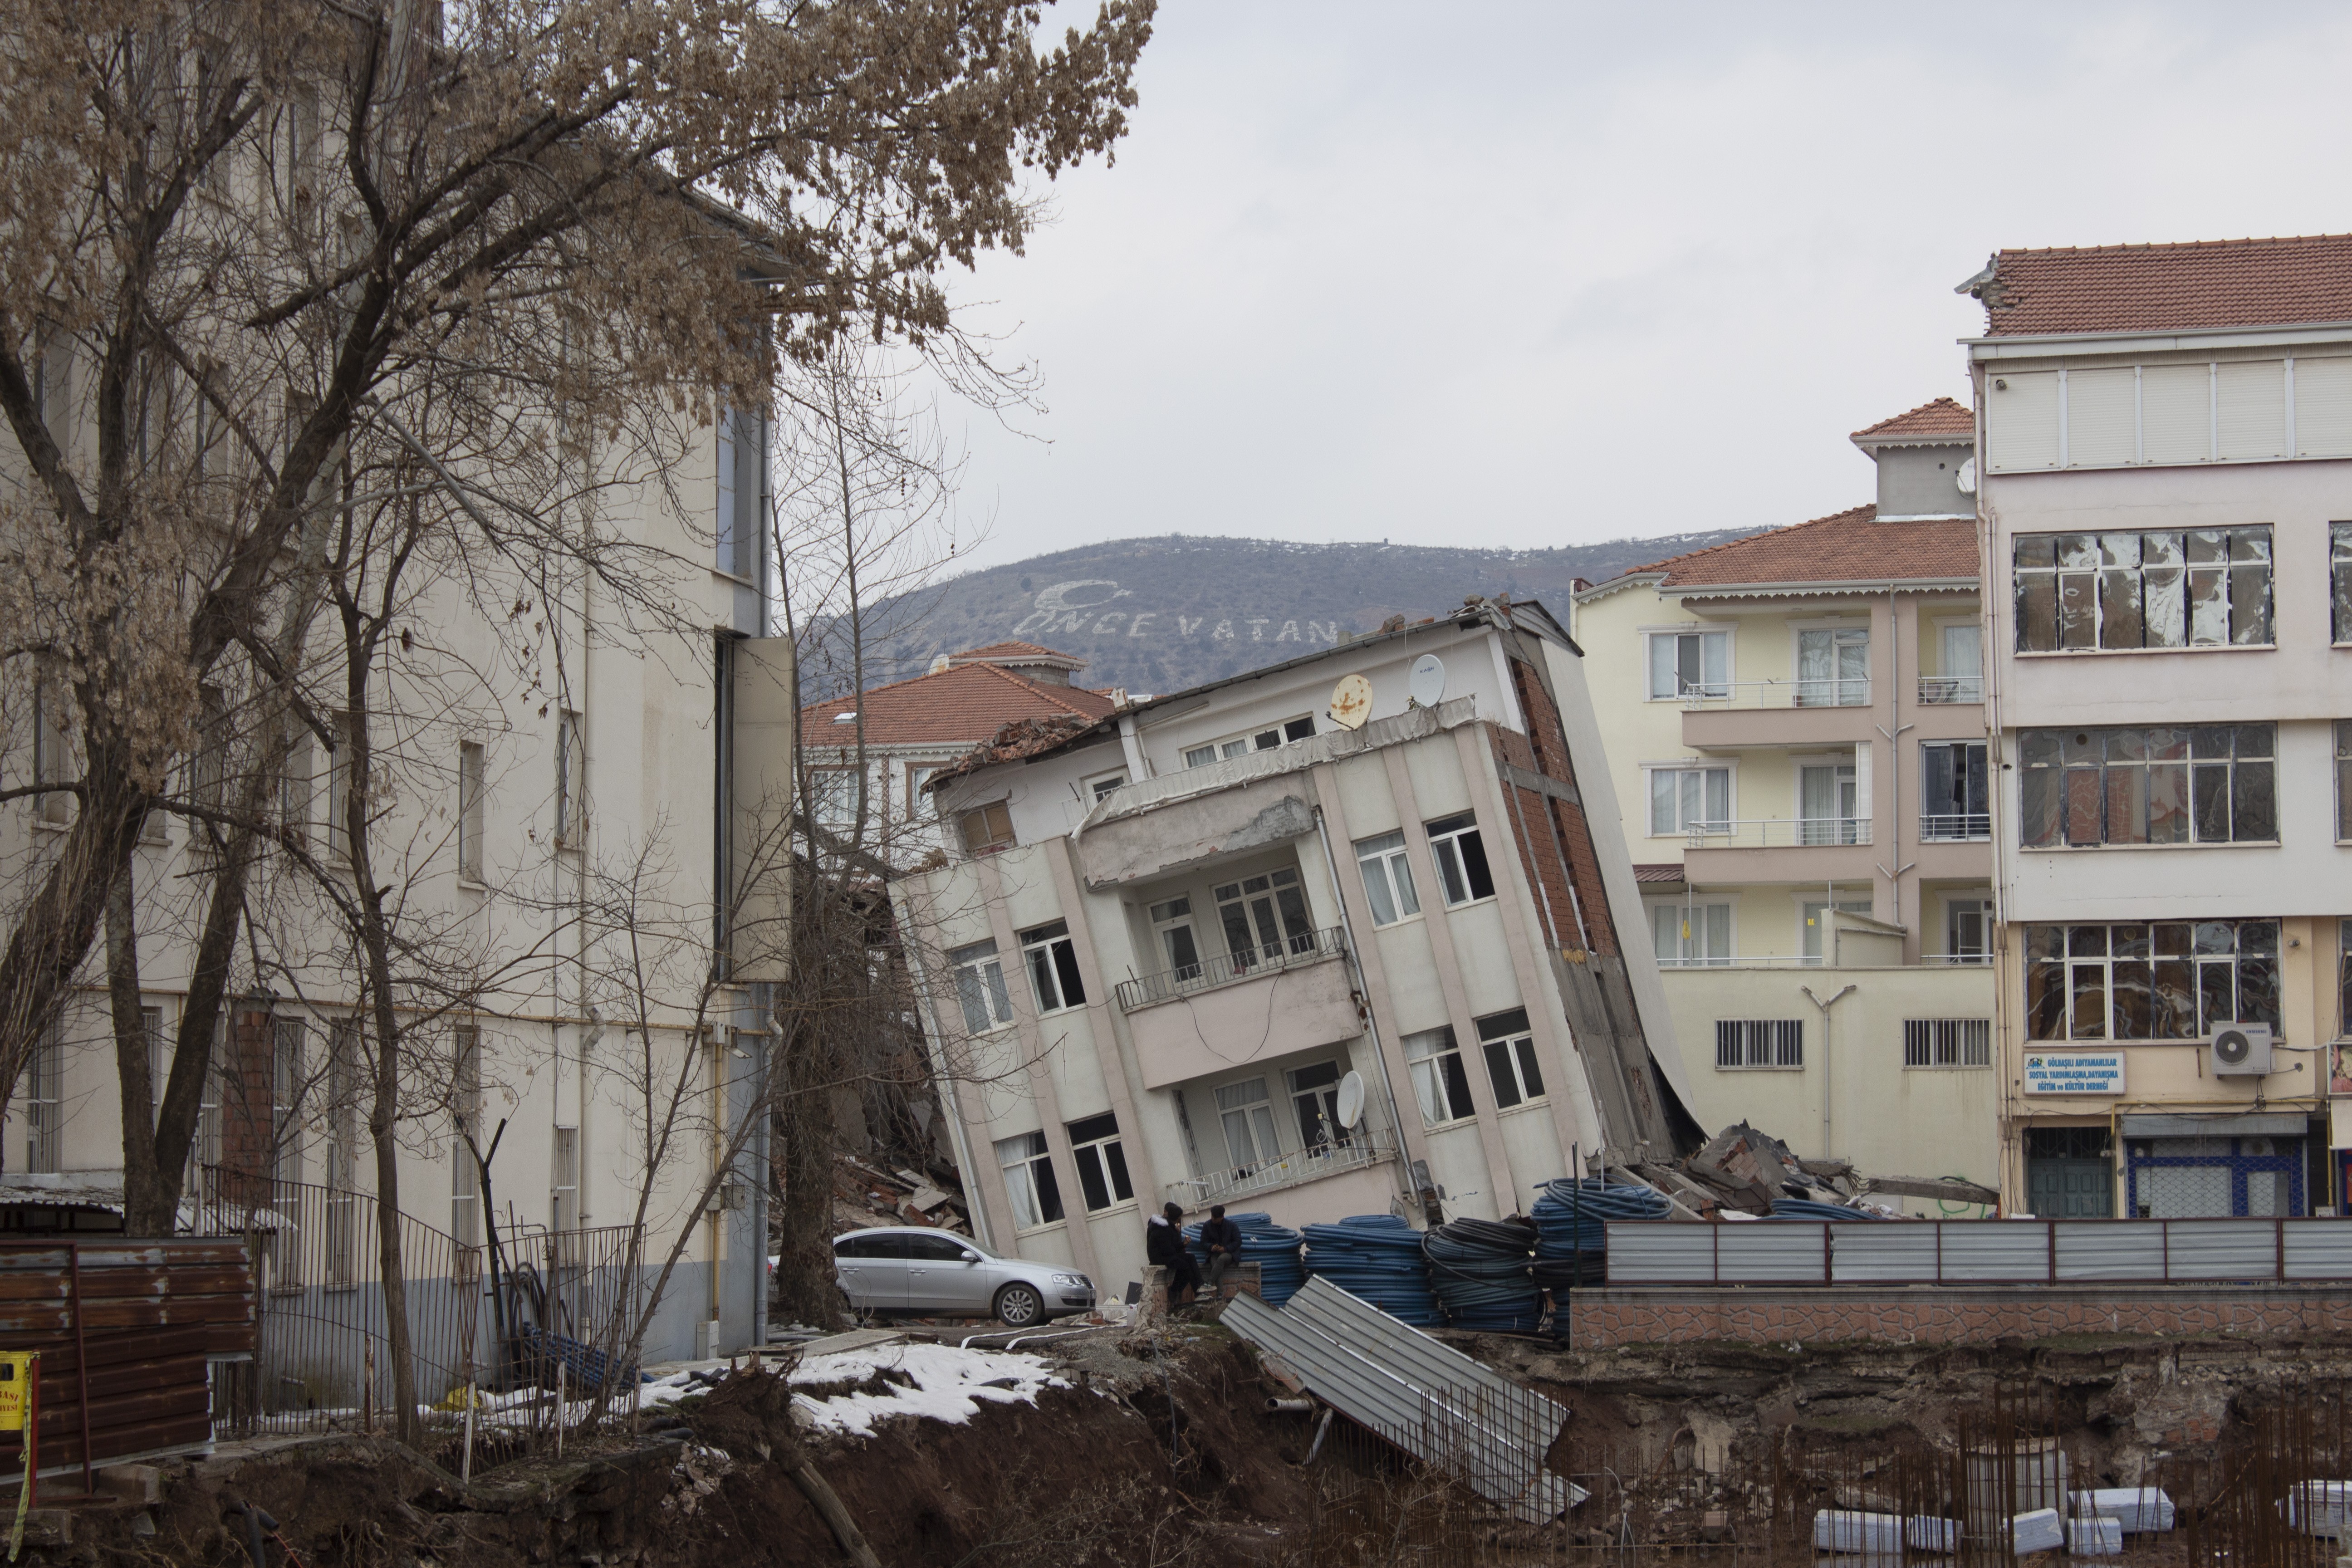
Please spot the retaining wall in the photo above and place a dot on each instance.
(1945, 1314)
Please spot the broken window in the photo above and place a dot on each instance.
(1052, 962)
(2175, 588)
(1101, 1161)
(2204, 783)
(2168, 980)
(1460, 856)
(1439, 1081)
(1511, 1048)
(1029, 1181)
(986, 829)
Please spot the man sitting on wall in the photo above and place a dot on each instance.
(1223, 1237)
(1163, 1243)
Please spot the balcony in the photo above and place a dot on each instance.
(1359, 1153)
(1944, 691)
(1974, 827)
(1231, 968)
(1731, 714)
(1780, 849)
(1228, 1010)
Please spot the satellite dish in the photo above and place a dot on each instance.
(1352, 702)
(1427, 684)
(1967, 477)
(1351, 1099)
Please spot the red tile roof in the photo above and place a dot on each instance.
(1017, 653)
(1942, 418)
(956, 708)
(2168, 287)
(1652, 875)
(1849, 546)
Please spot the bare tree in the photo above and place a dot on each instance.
(247, 231)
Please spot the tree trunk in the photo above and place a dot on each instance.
(806, 1287)
(146, 1210)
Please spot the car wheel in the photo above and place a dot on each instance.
(1018, 1306)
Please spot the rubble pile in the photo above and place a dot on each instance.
(1743, 1173)
(1014, 740)
(865, 1196)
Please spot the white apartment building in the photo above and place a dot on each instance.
(549, 830)
(1168, 943)
(2166, 458)
(1795, 729)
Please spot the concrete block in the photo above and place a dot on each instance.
(141, 1484)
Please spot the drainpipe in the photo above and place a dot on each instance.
(1371, 1026)
(1829, 1077)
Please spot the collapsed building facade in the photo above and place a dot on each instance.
(1353, 934)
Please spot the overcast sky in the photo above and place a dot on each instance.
(1539, 274)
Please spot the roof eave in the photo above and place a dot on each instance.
(2044, 345)
(1839, 586)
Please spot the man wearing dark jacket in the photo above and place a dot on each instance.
(1223, 1237)
(1163, 1243)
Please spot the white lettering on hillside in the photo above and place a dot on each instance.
(1081, 609)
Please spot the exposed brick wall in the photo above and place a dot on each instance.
(1601, 1320)
(1545, 750)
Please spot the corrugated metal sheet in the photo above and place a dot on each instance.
(127, 1330)
(1980, 1252)
(1391, 1377)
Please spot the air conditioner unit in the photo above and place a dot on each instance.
(2240, 1050)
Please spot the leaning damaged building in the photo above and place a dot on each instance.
(1172, 951)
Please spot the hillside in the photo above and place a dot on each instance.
(1159, 615)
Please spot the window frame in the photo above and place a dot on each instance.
(2066, 949)
(2090, 581)
(1101, 784)
(989, 813)
(473, 814)
(1683, 911)
(1507, 1042)
(1808, 692)
(1034, 1159)
(1255, 739)
(2342, 729)
(1781, 1040)
(571, 780)
(1458, 851)
(833, 797)
(1705, 689)
(1253, 1113)
(1441, 1055)
(2339, 584)
(1105, 1153)
(1946, 1045)
(1391, 854)
(977, 971)
(1976, 826)
(1049, 954)
(1708, 825)
(2043, 764)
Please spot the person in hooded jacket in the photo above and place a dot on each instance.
(1163, 1243)
(1222, 1239)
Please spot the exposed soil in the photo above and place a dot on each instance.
(1161, 1453)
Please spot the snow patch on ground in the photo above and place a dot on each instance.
(937, 1383)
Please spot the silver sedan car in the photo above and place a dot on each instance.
(903, 1268)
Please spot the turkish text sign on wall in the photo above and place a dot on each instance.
(2074, 1072)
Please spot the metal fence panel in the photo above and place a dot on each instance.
(1996, 1250)
(1663, 1253)
(1770, 1253)
(2110, 1249)
(1882, 1254)
(2317, 1250)
(2221, 1249)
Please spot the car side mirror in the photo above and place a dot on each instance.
(971, 1257)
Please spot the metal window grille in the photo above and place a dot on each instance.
(1759, 1042)
(44, 1103)
(1947, 1042)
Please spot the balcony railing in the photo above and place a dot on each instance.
(1951, 828)
(1265, 1176)
(1937, 689)
(1851, 692)
(1229, 968)
(1778, 832)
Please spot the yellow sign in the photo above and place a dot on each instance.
(17, 1370)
